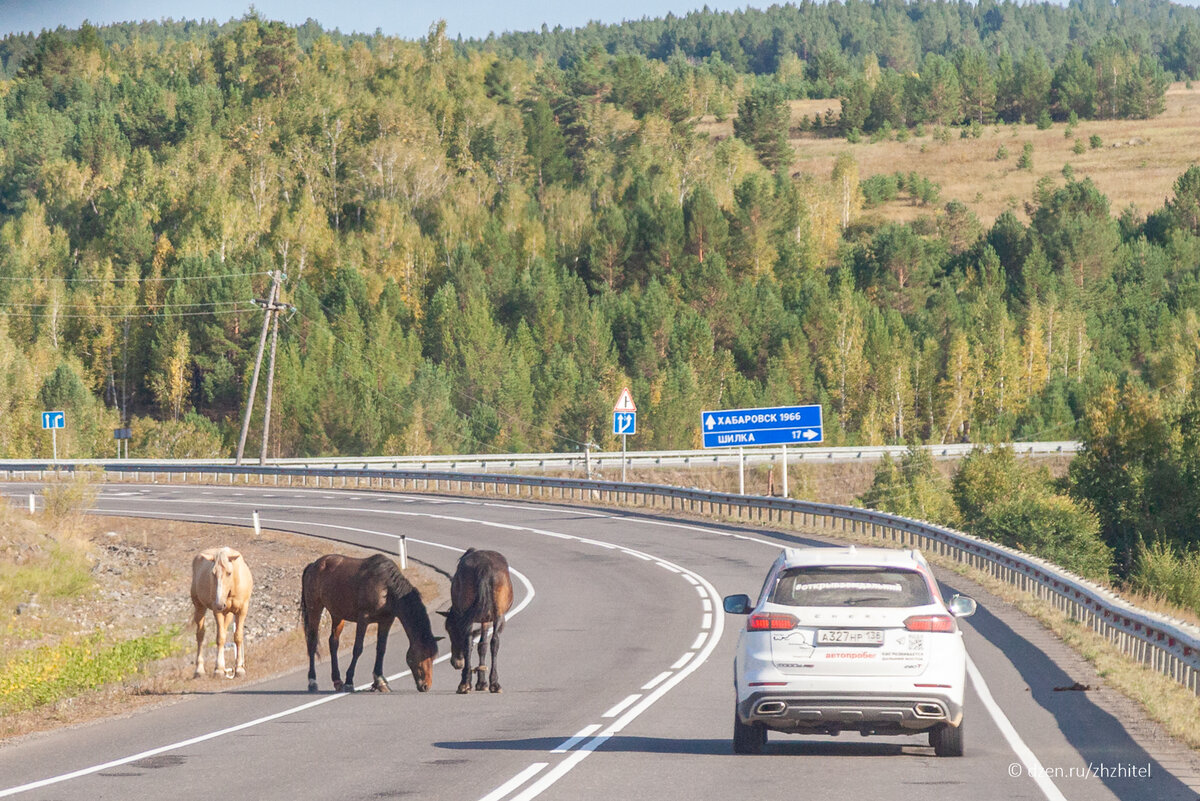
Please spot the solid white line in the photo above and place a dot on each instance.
(562, 768)
(515, 782)
(1033, 766)
(701, 592)
(163, 749)
(657, 680)
(665, 566)
(683, 660)
(620, 707)
(584, 733)
(689, 579)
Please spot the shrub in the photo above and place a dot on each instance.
(69, 497)
(1068, 172)
(1043, 120)
(1054, 527)
(1001, 153)
(1094, 141)
(1161, 571)
(1078, 148)
(1026, 160)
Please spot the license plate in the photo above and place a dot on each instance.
(872, 637)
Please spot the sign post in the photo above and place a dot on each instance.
(54, 421)
(777, 425)
(624, 422)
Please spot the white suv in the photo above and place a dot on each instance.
(854, 639)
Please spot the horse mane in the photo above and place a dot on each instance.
(404, 599)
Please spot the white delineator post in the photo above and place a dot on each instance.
(257, 526)
(403, 552)
(785, 487)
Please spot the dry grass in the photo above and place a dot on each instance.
(967, 169)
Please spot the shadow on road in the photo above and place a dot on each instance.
(699, 747)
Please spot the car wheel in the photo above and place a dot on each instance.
(947, 741)
(748, 738)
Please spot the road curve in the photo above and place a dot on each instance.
(617, 674)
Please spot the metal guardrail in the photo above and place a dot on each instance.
(1168, 646)
(601, 460)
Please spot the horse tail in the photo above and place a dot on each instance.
(484, 607)
(310, 634)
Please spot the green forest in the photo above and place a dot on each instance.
(483, 241)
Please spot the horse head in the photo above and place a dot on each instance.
(458, 628)
(420, 662)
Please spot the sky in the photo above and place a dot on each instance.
(409, 19)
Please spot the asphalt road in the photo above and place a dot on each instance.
(617, 672)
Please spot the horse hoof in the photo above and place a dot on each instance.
(337, 686)
(463, 688)
(348, 687)
(380, 686)
(239, 673)
(199, 674)
(312, 686)
(496, 688)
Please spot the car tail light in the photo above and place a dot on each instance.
(929, 623)
(770, 621)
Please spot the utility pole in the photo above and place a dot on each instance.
(272, 309)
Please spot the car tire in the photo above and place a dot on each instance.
(748, 738)
(947, 741)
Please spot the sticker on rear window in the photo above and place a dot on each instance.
(822, 586)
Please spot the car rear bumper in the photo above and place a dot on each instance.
(880, 713)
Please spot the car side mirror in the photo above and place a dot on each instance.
(737, 604)
(962, 606)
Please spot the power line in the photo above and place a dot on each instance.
(44, 315)
(124, 306)
(130, 280)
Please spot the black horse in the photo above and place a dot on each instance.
(480, 592)
(365, 591)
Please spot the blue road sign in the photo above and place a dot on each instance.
(624, 422)
(54, 419)
(779, 425)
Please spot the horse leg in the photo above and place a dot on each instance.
(222, 619)
(494, 677)
(464, 683)
(360, 633)
(335, 634)
(480, 684)
(311, 622)
(380, 685)
(198, 614)
(239, 644)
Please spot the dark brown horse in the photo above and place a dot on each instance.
(365, 591)
(480, 592)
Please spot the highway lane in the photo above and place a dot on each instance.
(617, 683)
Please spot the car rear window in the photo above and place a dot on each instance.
(851, 586)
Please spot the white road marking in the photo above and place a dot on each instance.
(683, 660)
(699, 640)
(665, 566)
(620, 707)
(515, 782)
(584, 733)
(1033, 766)
(657, 680)
(707, 622)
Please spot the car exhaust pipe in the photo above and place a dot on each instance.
(772, 708)
(928, 711)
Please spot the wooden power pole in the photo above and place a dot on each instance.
(271, 307)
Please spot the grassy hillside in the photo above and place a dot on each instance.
(1141, 174)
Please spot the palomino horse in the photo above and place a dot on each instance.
(480, 592)
(365, 591)
(221, 581)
